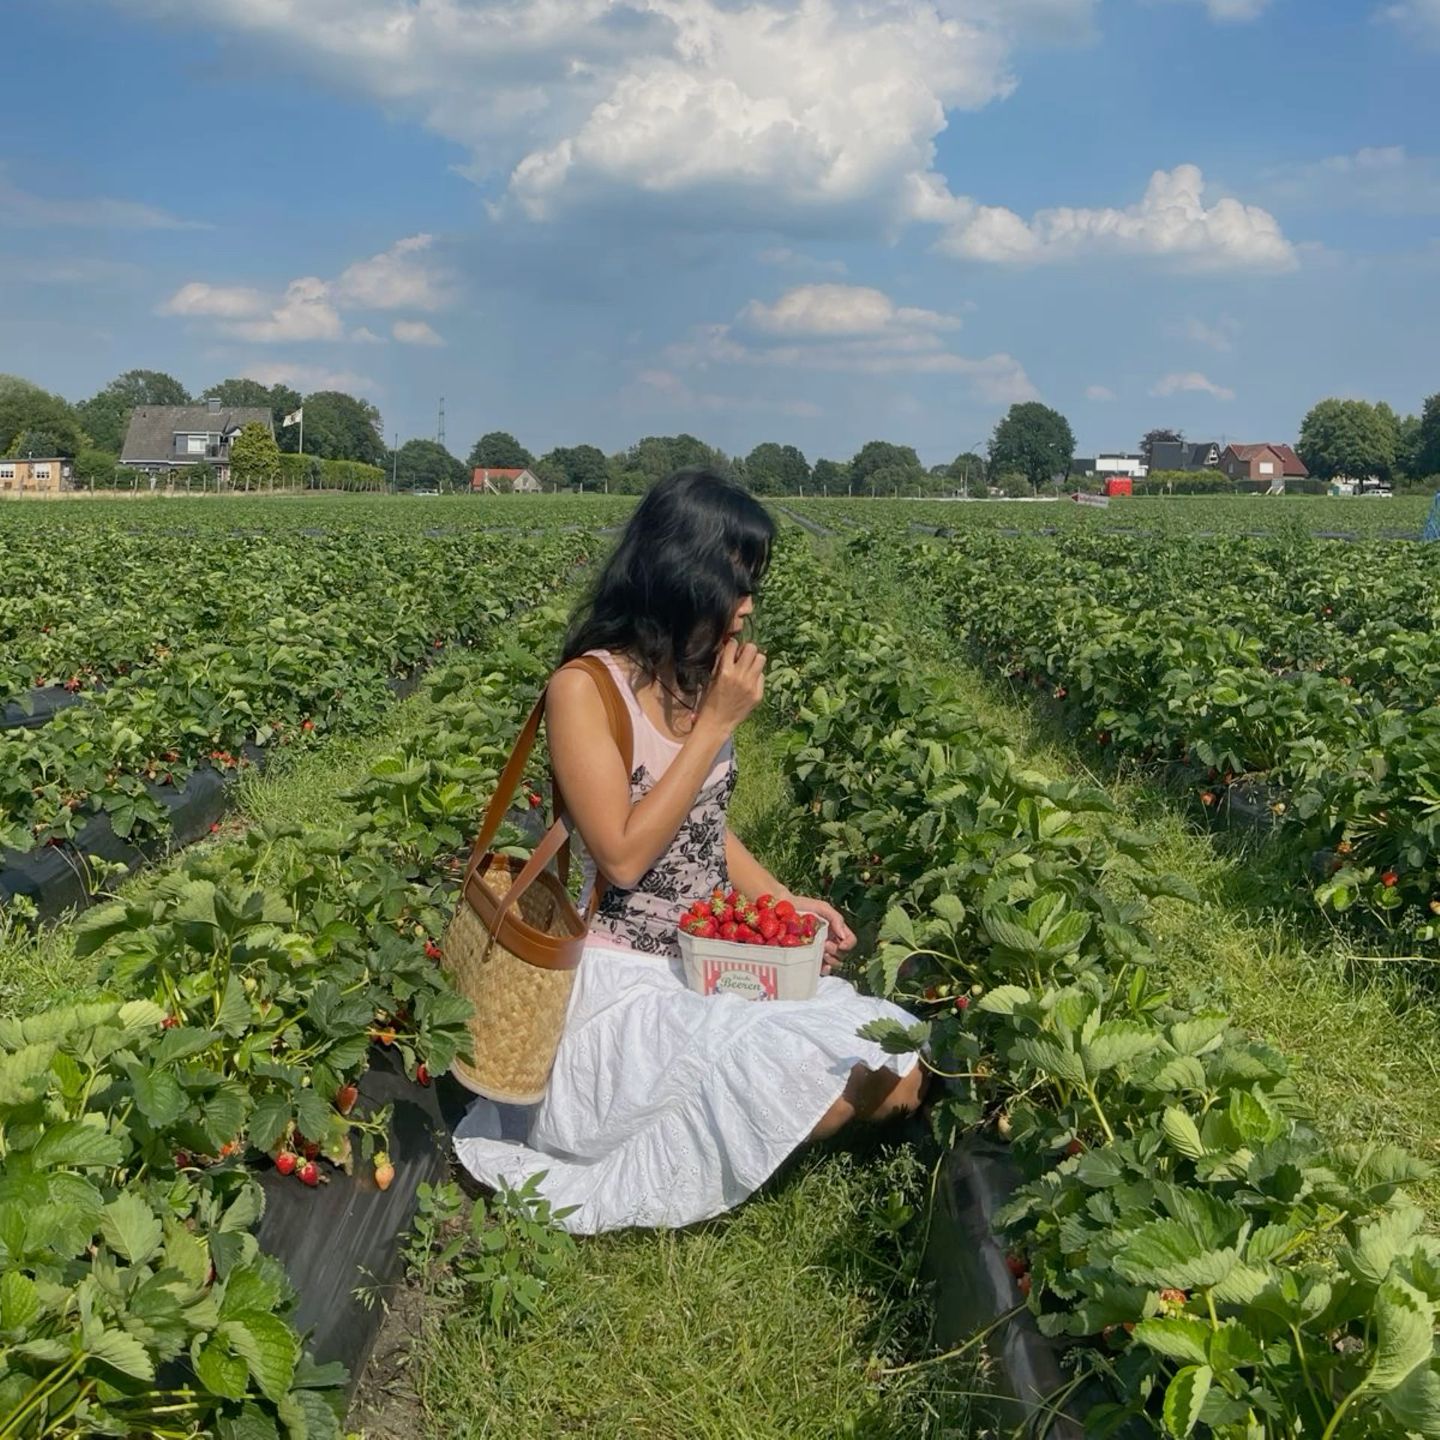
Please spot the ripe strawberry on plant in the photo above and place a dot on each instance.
(309, 1173)
(345, 1098)
(1389, 879)
(286, 1161)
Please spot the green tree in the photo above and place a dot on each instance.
(1152, 437)
(1034, 441)
(340, 427)
(26, 408)
(1350, 438)
(830, 475)
(254, 458)
(499, 451)
(1407, 447)
(280, 400)
(968, 471)
(95, 468)
(657, 456)
(106, 414)
(428, 465)
(1427, 440)
(772, 469)
(880, 467)
(580, 467)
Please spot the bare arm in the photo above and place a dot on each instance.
(625, 840)
(747, 874)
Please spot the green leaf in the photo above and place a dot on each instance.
(158, 1096)
(220, 1371)
(19, 1301)
(1181, 1338)
(1117, 1042)
(1378, 1243)
(949, 908)
(76, 1145)
(1184, 1397)
(125, 1353)
(270, 1348)
(268, 1120)
(1404, 1325)
(131, 1228)
(245, 1210)
(1183, 1133)
(1164, 1254)
(1173, 887)
(1046, 1054)
(251, 1287)
(1003, 1000)
(24, 1074)
(1415, 1402)
(1234, 1347)
(182, 1042)
(898, 926)
(252, 1423)
(312, 1114)
(894, 1038)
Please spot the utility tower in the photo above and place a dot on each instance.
(440, 429)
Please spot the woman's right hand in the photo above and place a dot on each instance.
(736, 688)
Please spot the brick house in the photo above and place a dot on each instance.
(1270, 465)
(491, 482)
(170, 437)
(37, 475)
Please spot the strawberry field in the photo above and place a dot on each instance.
(1186, 1238)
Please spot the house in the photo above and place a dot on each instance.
(170, 437)
(491, 482)
(1113, 463)
(36, 475)
(1186, 455)
(1268, 465)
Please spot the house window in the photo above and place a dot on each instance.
(1267, 467)
(7, 472)
(194, 445)
(40, 472)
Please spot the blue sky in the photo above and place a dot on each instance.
(813, 221)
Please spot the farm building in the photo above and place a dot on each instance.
(492, 482)
(1269, 465)
(170, 437)
(33, 475)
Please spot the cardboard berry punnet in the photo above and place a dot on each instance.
(755, 950)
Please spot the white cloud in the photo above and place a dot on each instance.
(308, 377)
(765, 111)
(1172, 222)
(1231, 11)
(21, 208)
(832, 310)
(398, 279)
(665, 384)
(415, 332)
(1378, 179)
(310, 309)
(1190, 381)
(1417, 17)
(221, 302)
(1219, 336)
(307, 312)
(1101, 393)
(847, 329)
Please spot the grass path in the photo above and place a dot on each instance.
(1363, 1037)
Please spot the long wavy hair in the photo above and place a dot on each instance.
(696, 545)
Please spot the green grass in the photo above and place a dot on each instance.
(758, 1326)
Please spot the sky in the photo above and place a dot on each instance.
(818, 222)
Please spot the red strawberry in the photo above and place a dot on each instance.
(718, 909)
(708, 931)
(286, 1161)
(769, 927)
(790, 942)
(689, 924)
(784, 910)
(728, 930)
(1016, 1264)
(962, 1002)
(535, 801)
(1074, 1148)
(1389, 879)
(432, 950)
(422, 1073)
(731, 896)
(794, 927)
(750, 915)
(744, 935)
(310, 1173)
(764, 902)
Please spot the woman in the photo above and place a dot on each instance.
(667, 1107)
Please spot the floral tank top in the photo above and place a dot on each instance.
(645, 919)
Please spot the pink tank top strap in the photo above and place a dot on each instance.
(622, 682)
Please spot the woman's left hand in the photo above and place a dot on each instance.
(841, 939)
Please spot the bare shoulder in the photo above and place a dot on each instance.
(573, 691)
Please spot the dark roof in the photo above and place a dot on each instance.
(1083, 465)
(1181, 454)
(152, 429)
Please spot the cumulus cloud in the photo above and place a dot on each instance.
(1385, 179)
(1171, 222)
(1219, 335)
(1416, 17)
(829, 310)
(20, 207)
(308, 377)
(415, 332)
(857, 332)
(1100, 393)
(1190, 382)
(310, 307)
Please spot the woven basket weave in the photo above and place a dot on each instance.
(519, 1007)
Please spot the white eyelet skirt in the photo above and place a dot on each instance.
(666, 1107)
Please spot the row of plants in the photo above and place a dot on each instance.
(239, 1000)
(1305, 670)
(1214, 1266)
(329, 623)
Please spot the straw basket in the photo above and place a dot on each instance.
(519, 1006)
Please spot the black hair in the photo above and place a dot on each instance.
(697, 544)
